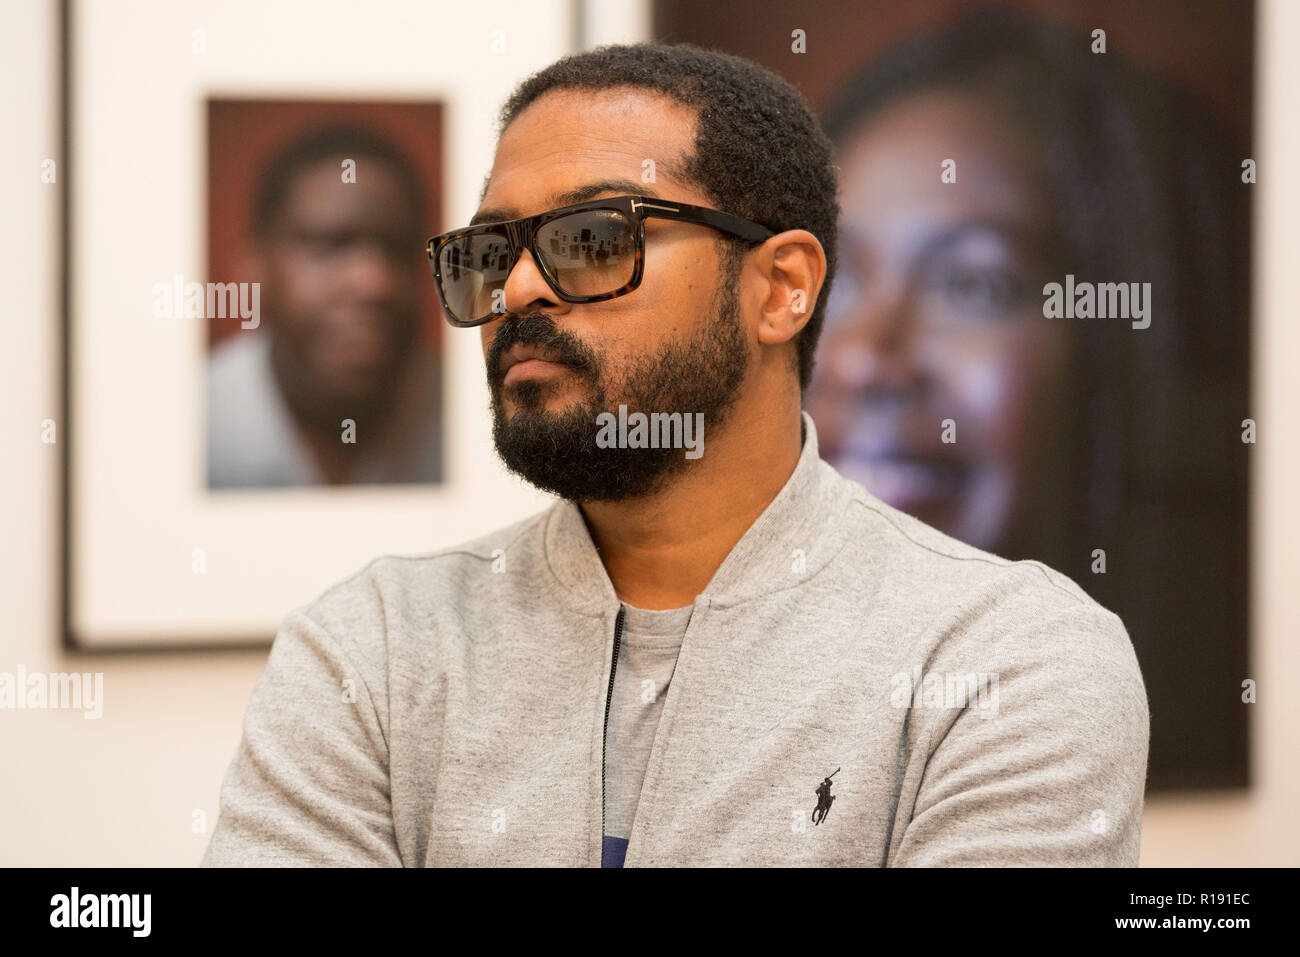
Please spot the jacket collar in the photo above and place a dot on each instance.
(796, 536)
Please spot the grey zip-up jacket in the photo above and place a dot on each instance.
(449, 709)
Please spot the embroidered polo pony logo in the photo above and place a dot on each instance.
(824, 799)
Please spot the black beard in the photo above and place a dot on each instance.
(557, 452)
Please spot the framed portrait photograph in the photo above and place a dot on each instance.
(997, 166)
(325, 368)
(260, 394)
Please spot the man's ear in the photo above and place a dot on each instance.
(793, 265)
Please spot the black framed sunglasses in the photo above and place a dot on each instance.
(587, 252)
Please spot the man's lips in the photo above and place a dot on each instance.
(524, 361)
(355, 344)
(532, 369)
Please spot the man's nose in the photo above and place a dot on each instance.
(526, 287)
(373, 272)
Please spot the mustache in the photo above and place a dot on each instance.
(539, 329)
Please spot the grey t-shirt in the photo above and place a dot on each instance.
(647, 656)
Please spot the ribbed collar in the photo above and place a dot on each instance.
(794, 538)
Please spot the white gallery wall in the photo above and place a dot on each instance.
(124, 790)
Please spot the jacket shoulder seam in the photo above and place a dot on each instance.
(448, 552)
(989, 560)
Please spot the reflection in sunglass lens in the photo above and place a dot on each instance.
(589, 253)
(473, 268)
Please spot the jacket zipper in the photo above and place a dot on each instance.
(609, 697)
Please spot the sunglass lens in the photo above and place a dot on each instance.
(472, 269)
(589, 253)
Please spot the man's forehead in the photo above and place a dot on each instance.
(568, 196)
(316, 198)
(570, 146)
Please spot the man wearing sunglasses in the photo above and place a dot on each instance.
(670, 664)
